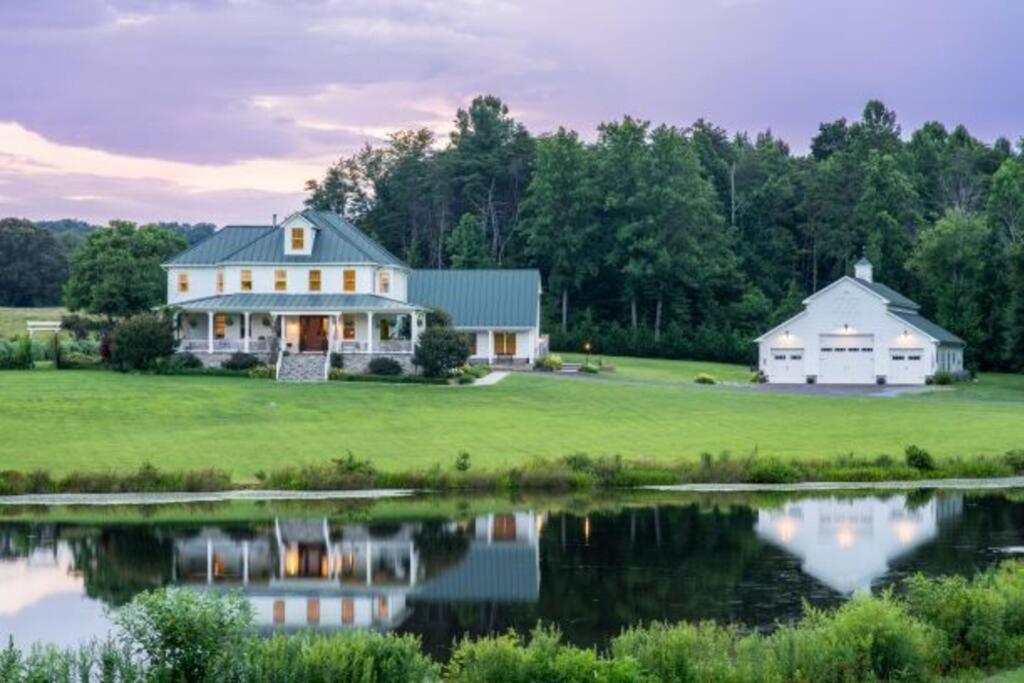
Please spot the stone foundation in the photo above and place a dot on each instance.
(357, 363)
(214, 360)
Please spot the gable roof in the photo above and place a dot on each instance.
(480, 298)
(337, 241)
(220, 244)
(894, 297)
(933, 330)
(277, 301)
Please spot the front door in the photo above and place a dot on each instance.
(312, 333)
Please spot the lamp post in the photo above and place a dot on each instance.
(586, 347)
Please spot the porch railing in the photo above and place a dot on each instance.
(224, 345)
(379, 346)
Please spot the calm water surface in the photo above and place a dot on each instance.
(442, 568)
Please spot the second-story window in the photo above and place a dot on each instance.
(298, 239)
(246, 281)
(385, 282)
(220, 281)
(182, 282)
(280, 280)
(349, 281)
(314, 280)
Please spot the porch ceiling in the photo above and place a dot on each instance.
(266, 303)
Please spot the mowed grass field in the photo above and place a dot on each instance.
(12, 320)
(97, 420)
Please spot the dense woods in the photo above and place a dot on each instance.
(668, 240)
(688, 240)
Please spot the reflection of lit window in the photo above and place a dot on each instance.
(504, 528)
(382, 607)
(844, 536)
(905, 531)
(291, 562)
(278, 611)
(218, 566)
(787, 529)
(348, 611)
(313, 611)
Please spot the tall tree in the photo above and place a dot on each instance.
(466, 245)
(560, 216)
(117, 270)
(33, 266)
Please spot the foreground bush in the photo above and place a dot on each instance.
(382, 365)
(946, 628)
(440, 350)
(241, 361)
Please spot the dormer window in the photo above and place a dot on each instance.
(385, 282)
(298, 239)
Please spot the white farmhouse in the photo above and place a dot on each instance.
(315, 284)
(858, 331)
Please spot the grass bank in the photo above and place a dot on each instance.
(937, 629)
(97, 421)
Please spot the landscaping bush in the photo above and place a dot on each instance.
(241, 361)
(137, 342)
(476, 371)
(80, 326)
(16, 355)
(183, 360)
(465, 379)
(337, 361)
(704, 378)
(263, 372)
(440, 350)
(589, 368)
(552, 362)
(772, 471)
(942, 378)
(80, 361)
(919, 459)
(385, 366)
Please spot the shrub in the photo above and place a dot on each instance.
(262, 372)
(942, 378)
(137, 342)
(589, 368)
(462, 461)
(337, 361)
(772, 471)
(440, 350)
(184, 634)
(184, 360)
(704, 378)
(348, 656)
(465, 379)
(476, 371)
(919, 459)
(16, 355)
(80, 326)
(382, 365)
(551, 363)
(241, 361)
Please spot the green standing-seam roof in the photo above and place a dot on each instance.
(497, 572)
(336, 241)
(255, 301)
(925, 325)
(219, 245)
(894, 297)
(480, 298)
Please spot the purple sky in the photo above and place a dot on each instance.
(220, 110)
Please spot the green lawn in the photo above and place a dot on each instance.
(12, 320)
(661, 370)
(88, 420)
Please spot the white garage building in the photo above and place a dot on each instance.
(857, 331)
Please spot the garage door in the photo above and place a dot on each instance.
(907, 366)
(786, 366)
(847, 359)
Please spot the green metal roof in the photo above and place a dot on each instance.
(219, 245)
(480, 298)
(252, 301)
(894, 297)
(497, 572)
(337, 241)
(925, 325)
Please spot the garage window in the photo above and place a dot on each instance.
(780, 356)
(867, 349)
(840, 349)
(898, 356)
(826, 350)
(796, 356)
(915, 357)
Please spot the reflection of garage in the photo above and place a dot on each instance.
(786, 366)
(846, 359)
(907, 366)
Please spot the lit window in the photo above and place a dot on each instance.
(278, 611)
(314, 280)
(246, 283)
(298, 239)
(280, 280)
(385, 282)
(349, 328)
(312, 611)
(220, 282)
(471, 337)
(349, 280)
(504, 343)
(220, 322)
(182, 282)
(385, 329)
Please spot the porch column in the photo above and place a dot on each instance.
(369, 332)
(209, 331)
(248, 332)
(490, 347)
(414, 324)
(330, 333)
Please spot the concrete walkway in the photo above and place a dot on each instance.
(491, 378)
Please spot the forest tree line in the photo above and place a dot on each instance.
(690, 241)
(676, 241)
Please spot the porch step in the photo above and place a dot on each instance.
(302, 367)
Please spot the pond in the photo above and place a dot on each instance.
(441, 568)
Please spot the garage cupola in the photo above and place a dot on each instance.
(863, 270)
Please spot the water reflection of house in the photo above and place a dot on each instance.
(303, 574)
(849, 543)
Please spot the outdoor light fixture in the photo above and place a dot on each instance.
(846, 328)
